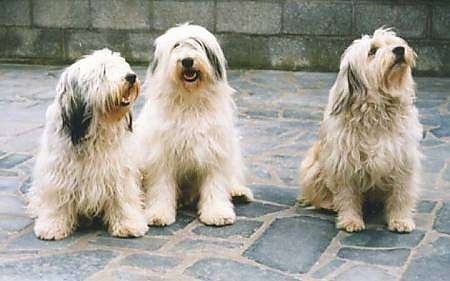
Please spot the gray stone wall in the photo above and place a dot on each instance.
(281, 34)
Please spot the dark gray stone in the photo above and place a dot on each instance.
(272, 193)
(245, 51)
(293, 244)
(28, 241)
(215, 269)
(143, 243)
(431, 56)
(241, 228)
(384, 239)
(151, 262)
(317, 18)
(442, 223)
(444, 127)
(14, 223)
(66, 13)
(204, 246)
(366, 273)
(425, 206)
(182, 220)
(131, 14)
(10, 184)
(15, 12)
(391, 257)
(13, 160)
(327, 269)
(409, 20)
(167, 14)
(249, 17)
(256, 209)
(441, 21)
(430, 262)
(71, 266)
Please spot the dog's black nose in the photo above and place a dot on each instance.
(399, 52)
(131, 78)
(187, 62)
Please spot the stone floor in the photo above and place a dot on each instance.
(273, 239)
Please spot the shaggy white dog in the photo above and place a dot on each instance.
(83, 169)
(186, 139)
(368, 145)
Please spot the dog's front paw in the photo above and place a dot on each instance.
(401, 225)
(129, 228)
(243, 192)
(47, 229)
(160, 216)
(217, 215)
(350, 224)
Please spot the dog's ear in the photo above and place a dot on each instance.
(76, 113)
(348, 87)
(129, 119)
(214, 61)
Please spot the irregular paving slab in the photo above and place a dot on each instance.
(204, 246)
(151, 262)
(391, 257)
(215, 269)
(242, 228)
(293, 244)
(182, 220)
(384, 239)
(425, 206)
(271, 193)
(366, 273)
(256, 209)
(13, 160)
(11, 205)
(9, 184)
(28, 241)
(442, 223)
(14, 223)
(431, 262)
(69, 266)
(327, 269)
(124, 275)
(142, 243)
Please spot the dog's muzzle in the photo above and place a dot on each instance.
(189, 73)
(131, 81)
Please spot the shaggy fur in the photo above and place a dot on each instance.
(186, 139)
(369, 138)
(83, 169)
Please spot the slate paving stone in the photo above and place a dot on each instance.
(142, 243)
(214, 269)
(293, 244)
(13, 160)
(384, 239)
(152, 262)
(124, 275)
(425, 206)
(182, 220)
(25, 187)
(11, 205)
(256, 209)
(68, 266)
(271, 193)
(366, 273)
(241, 228)
(391, 257)
(328, 268)
(431, 262)
(14, 223)
(28, 241)
(203, 246)
(9, 184)
(444, 127)
(442, 223)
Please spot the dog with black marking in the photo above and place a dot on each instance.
(83, 168)
(186, 139)
(368, 147)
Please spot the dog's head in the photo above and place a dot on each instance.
(380, 63)
(189, 56)
(99, 87)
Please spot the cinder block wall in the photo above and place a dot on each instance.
(280, 34)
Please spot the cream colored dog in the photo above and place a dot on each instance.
(83, 168)
(369, 138)
(186, 137)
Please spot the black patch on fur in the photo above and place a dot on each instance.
(348, 93)
(213, 60)
(130, 122)
(154, 65)
(76, 114)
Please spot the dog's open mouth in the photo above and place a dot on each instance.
(190, 75)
